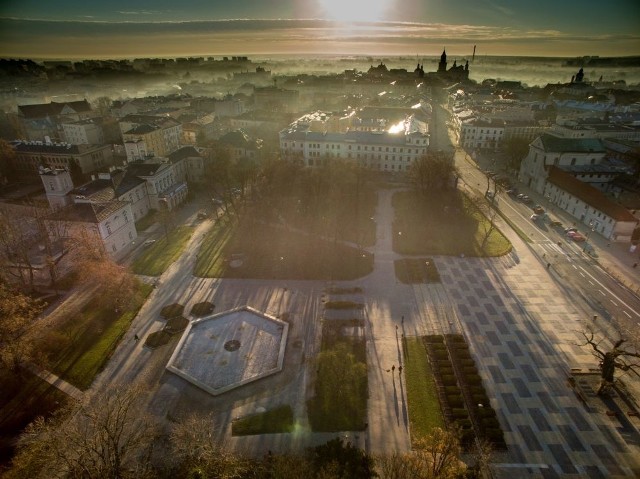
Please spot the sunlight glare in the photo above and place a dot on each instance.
(355, 10)
(397, 128)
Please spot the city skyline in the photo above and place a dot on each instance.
(119, 29)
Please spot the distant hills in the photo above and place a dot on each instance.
(603, 62)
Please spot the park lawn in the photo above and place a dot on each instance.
(274, 421)
(210, 262)
(158, 257)
(273, 252)
(422, 398)
(442, 224)
(95, 332)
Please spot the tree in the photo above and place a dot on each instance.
(18, 312)
(107, 435)
(617, 357)
(335, 459)
(487, 218)
(434, 456)
(103, 105)
(7, 156)
(17, 237)
(197, 453)
(515, 149)
(432, 172)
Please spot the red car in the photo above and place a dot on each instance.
(575, 236)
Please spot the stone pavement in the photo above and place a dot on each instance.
(520, 327)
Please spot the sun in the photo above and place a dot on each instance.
(355, 10)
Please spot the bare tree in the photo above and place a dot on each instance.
(434, 456)
(488, 216)
(618, 357)
(432, 172)
(17, 237)
(104, 436)
(197, 453)
(17, 316)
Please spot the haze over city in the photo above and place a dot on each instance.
(118, 29)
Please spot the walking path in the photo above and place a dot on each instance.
(57, 382)
(520, 328)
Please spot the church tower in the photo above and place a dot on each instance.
(442, 66)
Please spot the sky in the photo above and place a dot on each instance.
(76, 29)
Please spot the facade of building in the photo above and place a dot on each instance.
(590, 206)
(30, 156)
(147, 135)
(84, 132)
(43, 122)
(311, 140)
(240, 145)
(482, 134)
(549, 150)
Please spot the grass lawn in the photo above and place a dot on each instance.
(416, 270)
(276, 253)
(341, 387)
(424, 407)
(275, 421)
(93, 335)
(442, 224)
(158, 257)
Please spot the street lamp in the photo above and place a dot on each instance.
(592, 225)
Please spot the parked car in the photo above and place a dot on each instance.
(577, 237)
(555, 223)
(149, 242)
(520, 196)
(526, 199)
(534, 217)
(202, 215)
(490, 194)
(538, 209)
(567, 230)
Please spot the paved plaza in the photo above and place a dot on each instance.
(521, 329)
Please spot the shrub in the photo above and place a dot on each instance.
(434, 338)
(171, 310)
(157, 339)
(459, 413)
(455, 400)
(448, 380)
(440, 355)
(452, 390)
(464, 424)
(202, 309)
(455, 338)
(473, 379)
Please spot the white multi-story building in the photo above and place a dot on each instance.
(590, 206)
(84, 132)
(482, 134)
(317, 137)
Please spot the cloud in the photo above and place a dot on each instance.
(140, 12)
(127, 38)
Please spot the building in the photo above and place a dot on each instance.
(240, 145)
(42, 122)
(548, 150)
(198, 130)
(589, 205)
(317, 137)
(84, 159)
(100, 215)
(84, 132)
(147, 135)
(482, 134)
(276, 99)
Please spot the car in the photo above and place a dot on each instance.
(202, 215)
(555, 223)
(577, 237)
(490, 194)
(149, 242)
(526, 199)
(520, 196)
(534, 217)
(538, 209)
(568, 230)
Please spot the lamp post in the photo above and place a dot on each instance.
(592, 225)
